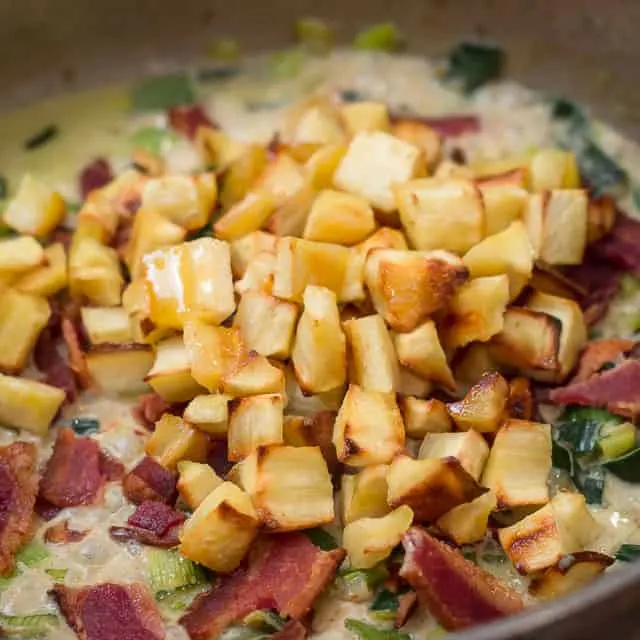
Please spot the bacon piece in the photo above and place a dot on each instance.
(110, 612)
(149, 480)
(95, 175)
(621, 247)
(149, 409)
(598, 353)
(218, 458)
(144, 536)
(406, 604)
(293, 630)
(285, 572)
(156, 517)
(456, 592)
(451, 126)
(188, 119)
(46, 510)
(77, 361)
(18, 489)
(111, 468)
(73, 474)
(617, 390)
(61, 533)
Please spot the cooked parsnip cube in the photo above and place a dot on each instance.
(221, 530)
(241, 175)
(291, 215)
(467, 523)
(106, 324)
(258, 275)
(253, 422)
(209, 413)
(507, 252)
(48, 279)
(120, 368)
(246, 216)
(196, 481)
(254, 375)
(476, 311)
(314, 122)
(341, 218)
(365, 116)
(364, 494)
(448, 170)
(573, 335)
(471, 363)
(266, 323)
(469, 448)
(504, 202)
(282, 178)
(301, 404)
(369, 541)
(556, 222)
(94, 273)
(421, 135)
(519, 463)
(538, 541)
(35, 210)
(174, 440)
(431, 487)
(217, 148)
(21, 254)
(411, 385)
(369, 428)
(97, 219)
(375, 364)
(553, 169)
(22, 318)
(321, 166)
(521, 401)
(420, 351)
(27, 404)
(441, 214)
(374, 162)
(171, 375)
(319, 352)
(422, 417)
(408, 286)
(483, 407)
(290, 486)
(315, 430)
(245, 249)
(187, 201)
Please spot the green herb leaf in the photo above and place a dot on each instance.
(628, 553)
(85, 426)
(475, 64)
(155, 140)
(321, 538)
(379, 37)
(314, 34)
(41, 138)
(626, 467)
(162, 92)
(32, 554)
(366, 631)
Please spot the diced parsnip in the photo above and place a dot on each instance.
(408, 286)
(118, 197)
(94, 273)
(281, 178)
(187, 201)
(369, 541)
(441, 214)
(538, 541)
(253, 422)
(22, 318)
(27, 404)
(120, 368)
(471, 363)
(507, 252)
(291, 215)
(431, 487)
(174, 440)
(196, 481)
(411, 385)
(553, 169)
(476, 311)
(171, 375)
(315, 121)
(48, 279)
(420, 351)
(421, 135)
(290, 486)
(469, 448)
(504, 203)
(35, 210)
(246, 216)
(375, 364)
(424, 416)
(573, 335)
(217, 148)
(556, 222)
(21, 254)
(301, 404)
(190, 280)
(212, 352)
(300, 263)
(245, 249)
(319, 351)
(374, 162)
(364, 494)
(97, 219)
(519, 463)
(322, 165)
(448, 170)
(483, 407)
(503, 170)
(254, 375)
(266, 323)
(342, 218)
(221, 530)
(209, 413)
(242, 174)
(258, 275)
(106, 325)
(467, 523)
(369, 428)
(365, 116)
(313, 431)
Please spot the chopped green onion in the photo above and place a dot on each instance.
(167, 571)
(626, 467)
(628, 553)
(41, 138)
(474, 65)
(32, 554)
(385, 605)
(28, 626)
(590, 482)
(162, 92)
(85, 426)
(617, 440)
(264, 620)
(155, 140)
(366, 631)
(579, 428)
(225, 49)
(321, 538)
(379, 37)
(57, 574)
(561, 457)
(314, 34)
(287, 64)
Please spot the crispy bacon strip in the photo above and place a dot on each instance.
(111, 468)
(149, 409)
(77, 361)
(156, 517)
(18, 489)
(188, 119)
(95, 175)
(598, 353)
(621, 247)
(144, 536)
(457, 592)
(149, 480)
(60, 533)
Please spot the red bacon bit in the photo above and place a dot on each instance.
(149, 480)
(285, 572)
(61, 534)
(621, 247)
(293, 630)
(46, 510)
(451, 126)
(150, 409)
(457, 592)
(144, 536)
(110, 612)
(218, 458)
(156, 517)
(18, 489)
(73, 475)
(406, 605)
(77, 361)
(186, 120)
(95, 175)
(111, 468)
(598, 353)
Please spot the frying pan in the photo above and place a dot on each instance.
(587, 50)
